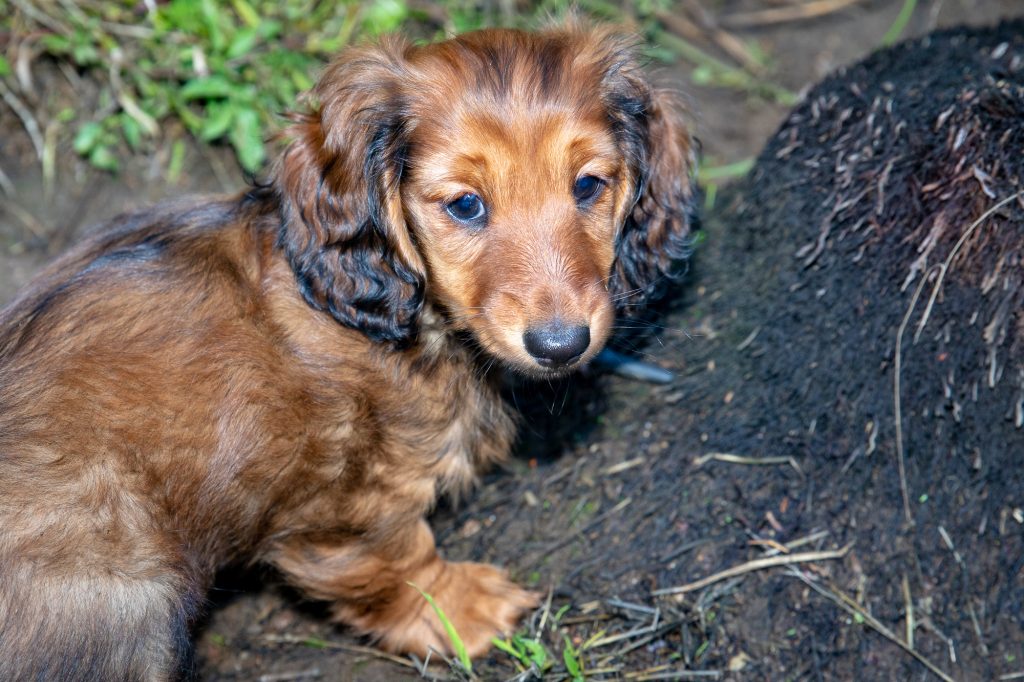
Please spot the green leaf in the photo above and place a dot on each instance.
(85, 54)
(56, 44)
(505, 646)
(5, 67)
(535, 650)
(180, 15)
(246, 12)
(453, 635)
(217, 122)
(301, 81)
(382, 16)
(209, 87)
(87, 137)
(733, 170)
(177, 162)
(269, 29)
(247, 138)
(192, 122)
(103, 158)
(132, 131)
(212, 18)
(243, 42)
(464, 20)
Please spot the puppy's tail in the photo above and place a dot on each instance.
(56, 626)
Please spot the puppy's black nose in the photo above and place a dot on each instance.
(556, 345)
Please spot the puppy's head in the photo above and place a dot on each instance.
(527, 185)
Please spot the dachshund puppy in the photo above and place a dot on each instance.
(294, 375)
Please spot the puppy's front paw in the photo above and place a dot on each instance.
(487, 604)
(479, 600)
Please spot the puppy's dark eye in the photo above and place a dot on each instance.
(466, 209)
(586, 188)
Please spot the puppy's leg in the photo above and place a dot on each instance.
(368, 581)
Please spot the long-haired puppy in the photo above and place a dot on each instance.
(292, 376)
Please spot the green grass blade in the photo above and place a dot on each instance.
(453, 636)
(900, 23)
(507, 647)
(572, 663)
(726, 172)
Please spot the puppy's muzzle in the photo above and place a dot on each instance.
(556, 344)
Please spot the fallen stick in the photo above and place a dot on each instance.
(778, 15)
(851, 606)
(755, 565)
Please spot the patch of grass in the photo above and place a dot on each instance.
(223, 71)
(528, 651)
(219, 69)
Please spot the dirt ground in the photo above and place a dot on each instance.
(622, 489)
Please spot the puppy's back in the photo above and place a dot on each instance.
(105, 387)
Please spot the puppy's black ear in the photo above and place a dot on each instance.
(343, 228)
(654, 134)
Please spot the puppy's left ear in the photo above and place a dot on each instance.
(655, 234)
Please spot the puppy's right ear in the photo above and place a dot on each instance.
(343, 229)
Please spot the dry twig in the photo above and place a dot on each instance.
(340, 646)
(755, 565)
(908, 602)
(296, 675)
(660, 673)
(778, 15)
(741, 459)
(6, 186)
(897, 407)
(27, 119)
(707, 25)
(855, 609)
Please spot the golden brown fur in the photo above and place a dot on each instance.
(293, 376)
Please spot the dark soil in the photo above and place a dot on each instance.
(867, 188)
(783, 341)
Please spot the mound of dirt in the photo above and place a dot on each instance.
(871, 267)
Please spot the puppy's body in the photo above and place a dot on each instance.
(203, 414)
(277, 377)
